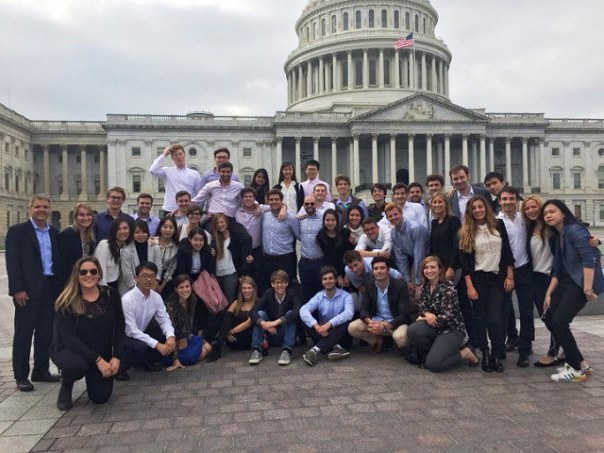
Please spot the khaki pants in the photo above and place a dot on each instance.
(358, 329)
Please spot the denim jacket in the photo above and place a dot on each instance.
(572, 253)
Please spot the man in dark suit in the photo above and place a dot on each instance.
(385, 311)
(32, 264)
(460, 180)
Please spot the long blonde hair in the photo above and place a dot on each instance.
(445, 199)
(219, 236)
(544, 233)
(88, 232)
(239, 301)
(70, 300)
(467, 233)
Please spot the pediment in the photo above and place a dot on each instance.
(421, 108)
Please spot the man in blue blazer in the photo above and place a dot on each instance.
(32, 264)
(460, 180)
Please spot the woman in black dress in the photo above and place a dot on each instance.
(261, 185)
(444, 241)
(334, 241)
(76, 240)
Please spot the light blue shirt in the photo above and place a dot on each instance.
(383, 309)
(309, 227)
(278, 236)
(152, 223)
(409, 243)
(43, 235)
(336, 310)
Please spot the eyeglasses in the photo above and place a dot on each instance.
(309, 204)
(83, 272)
(147, 276)
(112, 197)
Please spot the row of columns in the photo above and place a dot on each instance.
(83, 195)
(327, 73)
(530, 156)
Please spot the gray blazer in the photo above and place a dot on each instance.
(477, 191)
(128, 262)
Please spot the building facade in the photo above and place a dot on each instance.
(354, 103)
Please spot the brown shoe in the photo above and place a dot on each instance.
(378, 347)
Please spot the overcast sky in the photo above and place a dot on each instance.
(82, 59)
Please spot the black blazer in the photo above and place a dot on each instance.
(184, 260)
(444, 241)
(398, 302)
(268, 304)
(240, 247)
(477, 191)
(299, 193)
(70, 248)
(468, 260)
(24, 260)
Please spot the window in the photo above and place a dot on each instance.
(384, 18)
(307, 34)
(6, 147)
(193, 152)
(136, 151)
(386, 72)
(556, 180)
(60, 184)
(424, 25)
(578, 211)
(323, 27)
(345, 74)
(333, 24)
(17, 151)
(26, 154)
(357, 20)
(161, 186)
(397, 19)
(79, 158)
(6, 181)
(17, 183)
(358, 73)
(314, 31)
(372, 72)
(576, 152)
(97, 185)
(602, 212)
(247, 180)
(371, 19)
(416, 24)
(407, 25)
(78, 182)
(8, 218)
(345, 21)
(137, 183)
(555, 152)
(247, 152)
(576, 180)
(601, 177)
(601, 152)
(159, 151)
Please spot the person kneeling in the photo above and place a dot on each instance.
(334, 309)
(149, 332)
(385, 309)
(439, 332)
(275, 315)
(88, 337)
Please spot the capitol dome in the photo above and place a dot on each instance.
(346, 62)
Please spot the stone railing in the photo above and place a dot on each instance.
(73, 127)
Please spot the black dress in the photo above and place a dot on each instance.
(72, 249)
(444, 241)
(334, 248)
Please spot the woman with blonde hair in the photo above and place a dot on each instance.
(88, 339)
(488, 269)
(77, 240)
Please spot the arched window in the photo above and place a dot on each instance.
(357, 20)
(601, 177)
(397, 19)
(333, 24)
(372, 72)
(386, 72)
(323, 27)
(371, 19)
(345, 74)
(345, 21)
(307, 34)
(358, 73)
(384, 18)
(314, 31)
(416, 25)
(407, 26)
(424, 25)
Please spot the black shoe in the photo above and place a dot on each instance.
(214, 354)
(64, 402)
(155, 366)
(487, 365)
(122, 375)
(24, 385)
(496, 364)
(46, 376)
(523, 361)
(511, 344)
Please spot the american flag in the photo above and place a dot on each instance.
(402, 43)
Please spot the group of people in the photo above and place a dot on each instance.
(259, 266)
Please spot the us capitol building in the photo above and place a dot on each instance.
(354, 103)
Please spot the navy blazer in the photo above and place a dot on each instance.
(24, 259)
(398, 302)
(477, 191)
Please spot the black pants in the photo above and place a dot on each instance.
(219, 331)
(540, 284)
(256, 269)
(34, 319)
(465, 305)
(138, 354)
(523, 287)
(336, 335)
(285, 263)
(74, 367)
(566, 301)
(488, 311)
(310, 279)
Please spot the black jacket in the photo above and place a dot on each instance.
(70, 247)
(468, 260)
(398, 302)
(288, 310)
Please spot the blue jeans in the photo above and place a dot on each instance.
(285, 336)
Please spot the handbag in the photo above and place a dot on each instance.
(208, 290)
(190, 354)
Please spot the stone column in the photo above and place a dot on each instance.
(334, 157)
(428, 154)
(321, 76)
(508, 160)
(351, 158)
(65, 155)
(46, 160)
(539, 157)
(440, 158)
(84, 177)
(102, 173)
(365, 69)
(433, 74)
(474, 162)
(491, 154)
(424, 72)
(300, 82)
(446, 80)
(397, 70)
(350, 81)
(393, 159)
(406, 78)
(308, 79)
(447, 155)
(374, 158)
(525, 165)
(297, 156)
(278, 158)
(356, 180)
(411, 159)
(289, 89)
(381, 73)
(483, 157)
(335, 86)
(464, 149)
(315, 148)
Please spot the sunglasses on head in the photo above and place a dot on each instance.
(83, 272)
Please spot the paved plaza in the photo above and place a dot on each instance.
(366, 403)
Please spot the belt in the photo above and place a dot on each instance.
(311, 259)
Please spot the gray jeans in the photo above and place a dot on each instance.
(443, 349)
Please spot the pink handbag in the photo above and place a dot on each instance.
(208, 290)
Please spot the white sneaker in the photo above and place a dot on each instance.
(285, 358)
(569, 374)
(256, 357)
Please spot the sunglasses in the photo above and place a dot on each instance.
(83, 272)
(309, 204)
